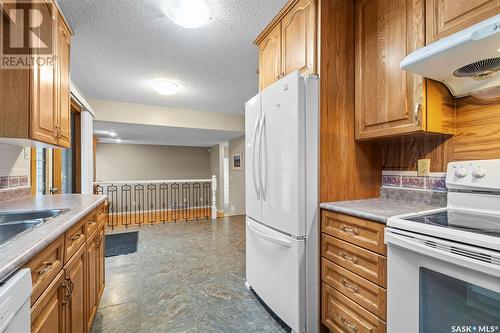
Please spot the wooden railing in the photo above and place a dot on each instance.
(158, 201)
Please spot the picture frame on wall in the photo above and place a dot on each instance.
(237, 161)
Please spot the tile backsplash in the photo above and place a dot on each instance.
(13, 181)
(436, 181)
(14, 172)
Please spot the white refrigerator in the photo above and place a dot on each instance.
(281, 132)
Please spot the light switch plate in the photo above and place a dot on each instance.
(423, 167)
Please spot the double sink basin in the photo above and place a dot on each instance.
(15, 223)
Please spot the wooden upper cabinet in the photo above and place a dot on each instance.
(388, 99)
(64, 98)
(36, 100)
(298, 32)
(270, 57)
(44, 80)
(288, 43)
(445, 17)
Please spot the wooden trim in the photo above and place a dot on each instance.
(75, 106)
(275, 21)
(77, 152)
(33, 170)
(57, 170)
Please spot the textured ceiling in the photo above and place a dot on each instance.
(119, 46)
(163, 135)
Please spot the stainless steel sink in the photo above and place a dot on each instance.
(14, 223)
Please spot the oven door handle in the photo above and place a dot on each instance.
(461, 254)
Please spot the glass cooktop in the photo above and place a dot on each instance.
(481, 223)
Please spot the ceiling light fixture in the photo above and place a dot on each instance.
(165, 87)
(118, 140)
(188, 13)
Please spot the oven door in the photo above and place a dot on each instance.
(438, 286)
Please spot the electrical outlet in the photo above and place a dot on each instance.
(424, 167)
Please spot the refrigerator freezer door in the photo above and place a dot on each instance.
(276, 271)
(252, 160)
(282, 145)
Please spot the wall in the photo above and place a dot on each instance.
(217, 169)
(161, 116)
(477, 136)
(237, 178)
(150, 162)
(14, 172)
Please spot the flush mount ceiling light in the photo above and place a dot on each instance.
(106, 133)
(165, 87)
(187, 13)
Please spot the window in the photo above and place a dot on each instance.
(58, 170)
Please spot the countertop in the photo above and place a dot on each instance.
(391, 203)
(20, 249)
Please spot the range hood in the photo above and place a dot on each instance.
(467, 62)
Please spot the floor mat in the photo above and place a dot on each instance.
(122, 243)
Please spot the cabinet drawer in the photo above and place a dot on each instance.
(367, 234)
(74, 239)
(342, 315)
(365, 293)
(102, 213)
(45, 266)
(367, 264)
(92, 221)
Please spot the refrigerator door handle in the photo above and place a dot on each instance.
(254, 177)
(278, 240)
(261, 145)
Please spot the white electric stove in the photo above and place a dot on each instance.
(444, 264)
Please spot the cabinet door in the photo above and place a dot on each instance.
(388, 99)
(43, 121)
(74, 310)
(445, 17)
(298, 33)
(47, 314)
(64, 101)
(270, 57)
(100, 262)
(92, 273)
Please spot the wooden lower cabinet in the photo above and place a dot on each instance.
(100, 262)
(47, 314)
(353, 274)
(340, 314)
(92, 249)
(75, 281)
(65, 298)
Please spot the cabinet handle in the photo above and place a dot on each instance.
(354, 260)
(76, 237)
(59, 132)
(98, 240)
(350, 230)
(349, 326)
(352, 288)
(416, 114)
(47, 266)
(67, 297)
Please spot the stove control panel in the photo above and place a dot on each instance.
(482, 175)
